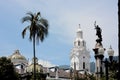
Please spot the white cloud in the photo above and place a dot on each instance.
(45, 63)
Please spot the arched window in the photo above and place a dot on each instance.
(83, 65)
(83, 57)
(78, 43)
(83, 62)
(83, 43)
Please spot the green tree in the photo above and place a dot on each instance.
(7, 71)
(113, 70)
(38, 29)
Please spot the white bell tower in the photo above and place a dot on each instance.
(79, 56)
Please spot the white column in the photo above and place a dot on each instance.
(56, 72)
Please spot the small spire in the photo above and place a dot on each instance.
(79, 26)
(17, 52)
(110, 47)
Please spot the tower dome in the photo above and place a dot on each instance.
(17, 55)
(19, 61)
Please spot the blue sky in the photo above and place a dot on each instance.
(64, 17)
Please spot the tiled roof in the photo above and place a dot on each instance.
(61, 73)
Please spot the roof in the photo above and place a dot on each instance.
(61, 73)
(17, 55)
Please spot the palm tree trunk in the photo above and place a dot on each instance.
(119, 38)
(34, 57)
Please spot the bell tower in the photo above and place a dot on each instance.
(79, 41)
(79, 56)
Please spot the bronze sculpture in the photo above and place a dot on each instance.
(98, 33)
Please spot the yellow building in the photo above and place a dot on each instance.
(39, 68)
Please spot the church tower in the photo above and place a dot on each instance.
(80, 56)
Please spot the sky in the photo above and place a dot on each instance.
(64, 17)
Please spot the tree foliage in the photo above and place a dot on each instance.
(38, 26)
(7, 70)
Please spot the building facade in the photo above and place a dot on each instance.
(19, 61)
(80, 56)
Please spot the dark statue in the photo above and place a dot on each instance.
(98, 33)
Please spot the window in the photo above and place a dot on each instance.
(83, 57)
(83, 43)
(83, 65)
(78, 43)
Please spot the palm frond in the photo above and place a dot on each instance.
(43, 22)
(37, 15)
(45, 31)
(31, 14)
(41, 37)
(38, 28)
(31, 36)
(26, 18)
(43, 28)
(42, 33)
(24, 31)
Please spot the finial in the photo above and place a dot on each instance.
(110, 47)
(79, 25)
(95, 23)
(17, 51)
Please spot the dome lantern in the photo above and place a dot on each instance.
(17, 55)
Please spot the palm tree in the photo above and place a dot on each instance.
(38, 29)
